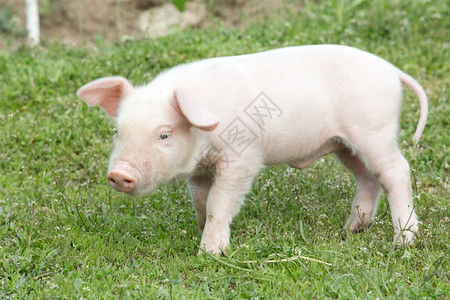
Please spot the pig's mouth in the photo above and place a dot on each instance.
(127, 179)
(123, 178)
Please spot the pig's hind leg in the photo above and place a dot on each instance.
(367, 192)
(380, 151)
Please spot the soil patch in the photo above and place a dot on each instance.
(85, 21)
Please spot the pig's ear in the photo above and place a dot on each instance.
(106, 92)
(196, 114)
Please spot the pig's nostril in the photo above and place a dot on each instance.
(122, 181)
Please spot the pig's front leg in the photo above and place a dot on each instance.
(224, 201)
(199, 186)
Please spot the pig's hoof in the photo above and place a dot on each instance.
(357, 224)
(214, 246)
(216, 249)
(405, 238)
(215, 240)
(222, 252)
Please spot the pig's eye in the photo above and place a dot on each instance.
(164, 136)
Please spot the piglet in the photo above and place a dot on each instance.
(218, 122)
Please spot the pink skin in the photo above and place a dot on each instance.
(291, 105)
(123, 178)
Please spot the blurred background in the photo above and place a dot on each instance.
(85, 21)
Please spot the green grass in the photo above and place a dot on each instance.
(65, 234)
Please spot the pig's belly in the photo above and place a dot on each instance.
(301, 154)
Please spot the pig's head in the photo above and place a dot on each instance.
(158, 132)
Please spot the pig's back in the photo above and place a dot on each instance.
(291, 96)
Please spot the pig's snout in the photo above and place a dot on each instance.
(123, 179)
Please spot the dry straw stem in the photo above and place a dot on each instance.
(41, 276)
(287, 259)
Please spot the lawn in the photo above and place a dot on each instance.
(64, 233)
